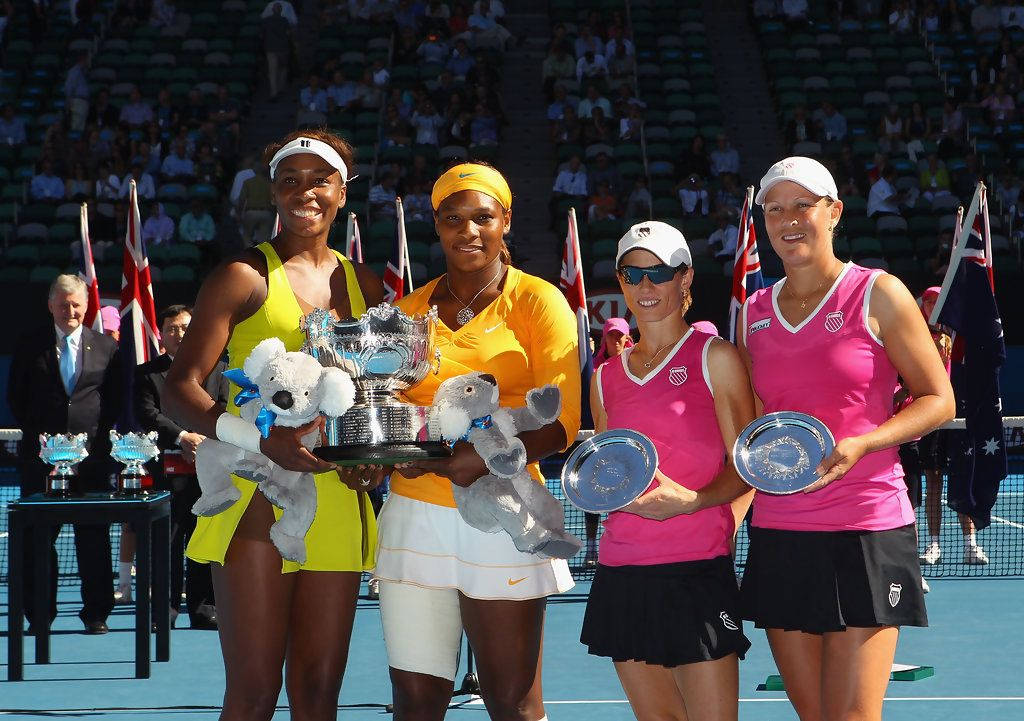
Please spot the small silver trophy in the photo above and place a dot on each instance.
(133, 450)
(62, 451)
(385, 351)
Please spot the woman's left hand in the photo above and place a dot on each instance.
(463, 467)
(846, 454)
(667, 500)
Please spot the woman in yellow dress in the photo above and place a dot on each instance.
(274, 613)
(438, 575)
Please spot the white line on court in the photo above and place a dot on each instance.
(1008, 523)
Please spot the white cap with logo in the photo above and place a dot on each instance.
(659, 238)
(807, 172)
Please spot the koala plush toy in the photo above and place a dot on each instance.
(508, 498)
(279, 387)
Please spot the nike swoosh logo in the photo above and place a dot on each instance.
(466, 175)
(493, 327)
(518, 580)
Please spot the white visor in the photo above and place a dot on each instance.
(316, 147)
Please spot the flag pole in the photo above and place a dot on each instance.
(959, 247)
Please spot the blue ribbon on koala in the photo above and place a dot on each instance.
(250, 391)
(483, 422)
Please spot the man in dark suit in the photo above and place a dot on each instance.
(176, 471)
(64, 379)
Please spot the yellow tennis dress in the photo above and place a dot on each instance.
(340, 537)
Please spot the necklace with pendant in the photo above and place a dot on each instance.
(803, 301)
(649, 363)
(466, 314)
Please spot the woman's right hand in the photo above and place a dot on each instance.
(284, 447)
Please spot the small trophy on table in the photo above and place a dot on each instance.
(62, 451)
(133, 450)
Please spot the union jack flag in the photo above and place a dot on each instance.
(398, 264)
(140, 341)
(353, 241)
(746, 270)
(967, 306)
(93, 319)
(570, 281)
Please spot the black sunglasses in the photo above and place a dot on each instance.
(657, 274)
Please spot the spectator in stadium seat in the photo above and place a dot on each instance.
(208, 166)
(591, 66)
(892, 128)
(883, 198)
(939, 262)
(569, 129)
(312, 96)
(638, 205)
(65, 379)
(597, 129)
(136, 112)
(865, 544)
(722, 242)
(382, 197)
(196, 226)
(934, 179)
(485, 30)
(461, 130)
(901, 19)
(603, 204)
(408, 14)
(461, 60)
(951, 132)
(416, 204)
(433, 49)
(276, 32)
(145, 187)
(832, 122)
(159, 227)
(256, 208)
(458, 21)
(729, 195)
(380, 74)
(602, 170)
(592, 100)
(632, 123)
(986, 18)
(396, 130)
(166, 113)
(931, 20)
(724, 158)
(224, 114)
(178, 166)
(1000, 106)
(556, 109)
(800, 128)
(484, 128)
(79, 185)
(428, 123)
(571, 182)
(45, 185)
(12, 128)
(436, 17)
(108, 185)
(76, 92)
(341, 93)
(621, 63)
(694, 197)
(966, 179)
(919, 129)
(102, 114)
(615, 40)
(558, 65)
(587, 41)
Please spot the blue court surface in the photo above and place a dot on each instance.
(975, 643)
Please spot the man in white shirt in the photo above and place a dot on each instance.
(614, 40)
(591, 66)
(883, 199)
(724, 158)
(572, 181)
(144, 184)
(694, 196)
(46, 185)
(722, 242)
(594, 99)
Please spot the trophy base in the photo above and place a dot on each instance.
(382, 454)
(58, 487)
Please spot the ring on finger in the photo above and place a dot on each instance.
(364, 482)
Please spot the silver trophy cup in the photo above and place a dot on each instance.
(385, 351)
(62, 451)
(133, 450)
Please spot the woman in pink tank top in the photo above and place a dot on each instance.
(664, 604)
(832, 572)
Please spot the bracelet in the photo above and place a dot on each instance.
(232, 429)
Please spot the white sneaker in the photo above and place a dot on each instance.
(924, 585)
(123, 595)
(975, 556)
(932, 554)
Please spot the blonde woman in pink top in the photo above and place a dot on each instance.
(832, 572)
(664, 605)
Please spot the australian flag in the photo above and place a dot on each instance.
(746, 271)
(139, 341)
(395, 270)
(967, 306)
(570, 280)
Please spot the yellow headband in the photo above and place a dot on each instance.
(470, 176)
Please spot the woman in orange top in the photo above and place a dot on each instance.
(438, 575)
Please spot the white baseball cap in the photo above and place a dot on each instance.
(659, 238)
(807, 172)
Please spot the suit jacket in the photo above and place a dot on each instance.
(149, 385)
(36, 395)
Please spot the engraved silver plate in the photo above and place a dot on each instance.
(609, 471)
(779, 452)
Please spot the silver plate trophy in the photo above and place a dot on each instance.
(779, 452)
(385, 351)
(62, 451)
(609, 470)
(133, 450)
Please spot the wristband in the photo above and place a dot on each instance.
(232, 429)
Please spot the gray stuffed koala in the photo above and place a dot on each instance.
(278, 388)
(508, 498)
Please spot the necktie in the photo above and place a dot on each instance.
(67, 365)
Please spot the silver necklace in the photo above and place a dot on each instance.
(649, 363)
(466, 314)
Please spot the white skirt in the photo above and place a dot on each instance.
(431, 546)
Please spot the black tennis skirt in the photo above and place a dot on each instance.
(823, 581)
(667, 614)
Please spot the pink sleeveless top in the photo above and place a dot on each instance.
(833, 367)
(674, 407)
